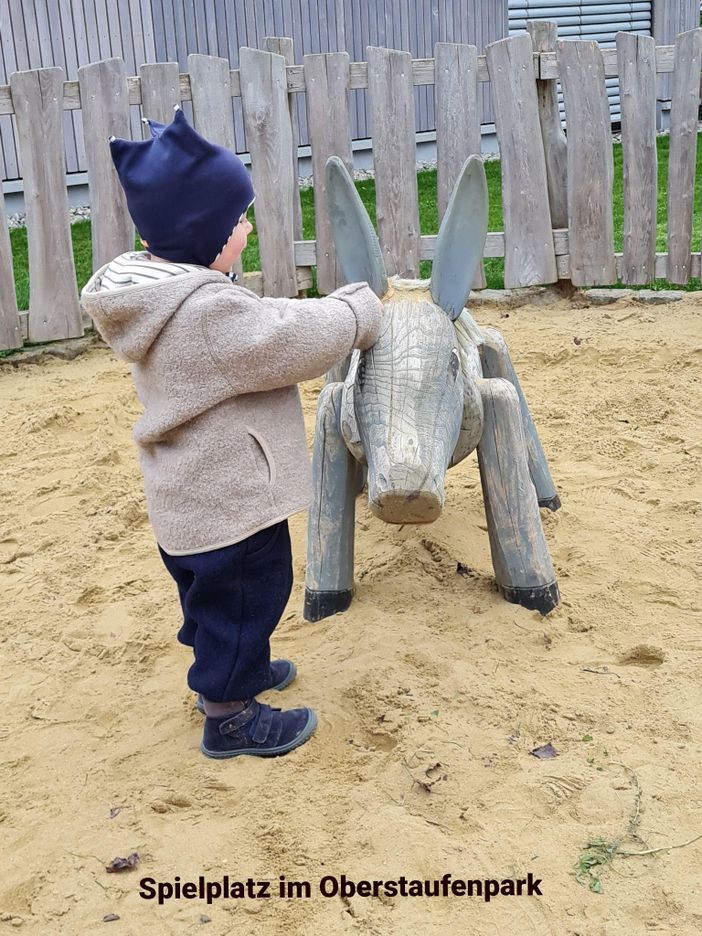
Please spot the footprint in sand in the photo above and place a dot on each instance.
(642, 655)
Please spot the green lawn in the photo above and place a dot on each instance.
(494, 268)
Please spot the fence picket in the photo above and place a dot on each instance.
(105, 103)
(682, 153)
(546, 236)
(10, 329)
(264, 98)
(529, 253)
(160, 92)
(284, 47)
(457, 120)
(637, 84)
(590, 161)
(327, 78)
(544, 34)
(213, 116)
(54, 311)
(394, 160)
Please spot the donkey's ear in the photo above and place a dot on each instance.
(461, 239)
(355, 239)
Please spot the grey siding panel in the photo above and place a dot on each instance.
(73, 123)
(71, 33)
(7, 131)
(168, 37)
(161, 46)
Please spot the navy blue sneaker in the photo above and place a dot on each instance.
(258, 729)
(283, 672)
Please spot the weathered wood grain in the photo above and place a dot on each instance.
(637, 89)
(409, 404)
(461, 239)
(103, 91)
(457, 121)
(357, 246)
(520, 556)
(284, 47)
(267, 120)
(590, 164)
(213, 116)
(160, 92)
(394, 159)
(671, 17)
(529, 254)
(497, 362)
(544, 34)
(306, 253)
(54, 311)
(327, 77)
(10, 327)
(423, 73)
(330, 524)
(550, 67)
(682, 155)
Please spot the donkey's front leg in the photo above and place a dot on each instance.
(520, 556)
(330, 526)
(497, 363)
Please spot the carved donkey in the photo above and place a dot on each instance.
(433, 388)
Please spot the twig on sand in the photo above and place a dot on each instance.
(652, 851)
(636, 818)
(433, 822)
(599, 672)
(599, 852)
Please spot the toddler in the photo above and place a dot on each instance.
(221, 440)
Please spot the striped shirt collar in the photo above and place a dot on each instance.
(136, 267)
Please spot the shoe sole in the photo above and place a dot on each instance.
(304, 735)
(281, 685)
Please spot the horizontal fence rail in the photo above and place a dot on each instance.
(556, 188)
(423, 73)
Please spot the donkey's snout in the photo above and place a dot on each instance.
(405, 495)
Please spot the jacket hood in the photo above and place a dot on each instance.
(130, 318)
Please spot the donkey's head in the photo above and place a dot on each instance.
(409, 412)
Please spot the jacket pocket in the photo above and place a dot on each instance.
(263, 458)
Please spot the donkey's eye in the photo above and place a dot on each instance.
(454, 364)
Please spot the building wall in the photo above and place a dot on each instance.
(70, 33)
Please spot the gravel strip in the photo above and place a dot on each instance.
(81, 212)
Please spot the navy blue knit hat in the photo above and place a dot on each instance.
(185, 194)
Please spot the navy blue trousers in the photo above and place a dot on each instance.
(232, 599)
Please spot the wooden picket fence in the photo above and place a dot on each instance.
(557, 192)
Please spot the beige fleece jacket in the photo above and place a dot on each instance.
(222, 440)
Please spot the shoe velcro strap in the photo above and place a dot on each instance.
(234, 724)
(264, 724)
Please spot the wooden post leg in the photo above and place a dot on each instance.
(339, 371)
(520, 556)
(497, 363)
(330, 526)
(361, 477)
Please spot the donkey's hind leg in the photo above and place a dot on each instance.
(497, 363)
(520, 557)
(330, 525)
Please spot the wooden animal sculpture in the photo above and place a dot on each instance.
(433, 388)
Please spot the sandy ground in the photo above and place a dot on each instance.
(99, 738)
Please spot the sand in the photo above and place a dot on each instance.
(431, 690)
